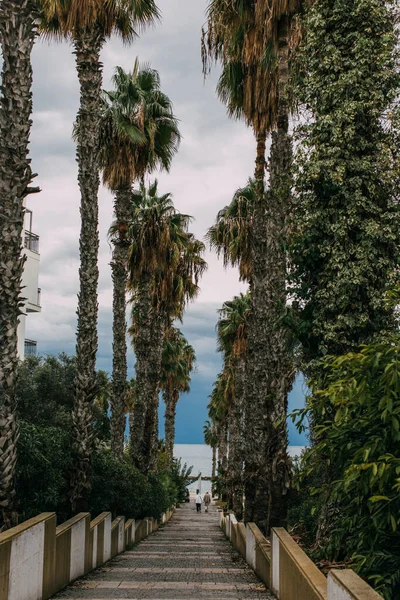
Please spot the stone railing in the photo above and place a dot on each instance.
(287, 570)
(37, 558)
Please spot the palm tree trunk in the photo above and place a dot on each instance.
(282, 372)
(148, 351)
(223, 457)
(236, 442)
(119, 269)
(87, 50)
(269, 368)
(17, 35)
(256, 503)
(170, 416)
(213, 469)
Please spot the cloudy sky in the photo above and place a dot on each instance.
(216, 157)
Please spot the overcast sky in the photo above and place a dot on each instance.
(216, 157)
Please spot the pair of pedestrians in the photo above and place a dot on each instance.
(199, 501)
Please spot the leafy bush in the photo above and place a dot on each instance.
(304, 507)
(45, 398)
(357, 439)
(43, 467)
(119, 487)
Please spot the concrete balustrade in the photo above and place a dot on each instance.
(100, 539)
(37, 559)
(72, 550)
(347, 585)
(294, 575)
(287, 570)
(130, 526)
(27, 559)
(117, 536)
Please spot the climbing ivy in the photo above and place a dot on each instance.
(345, 230)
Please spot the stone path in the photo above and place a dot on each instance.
(189, 558)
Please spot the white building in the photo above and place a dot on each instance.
(30, 286)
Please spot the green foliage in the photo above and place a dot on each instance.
(304, 506)
(345, 234)
(45, 390)
(45, 393)
(45, 398)
(357, 439)
(118, 487)
(43, 467)
(139, 132)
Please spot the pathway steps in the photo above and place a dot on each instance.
(188, 559)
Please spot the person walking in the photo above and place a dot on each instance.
(207, 501)
(198, 500)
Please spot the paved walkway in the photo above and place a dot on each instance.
(190, 558)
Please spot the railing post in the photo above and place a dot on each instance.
(275, 572)
(347, 585)
(250, 547)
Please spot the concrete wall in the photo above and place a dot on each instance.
(347, 585)
(286, 569)
(27, 559)
(37, 559)
(294, 575)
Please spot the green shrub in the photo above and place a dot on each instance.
(357, 441)
(43, 468)
(304, 507)
(45, 398)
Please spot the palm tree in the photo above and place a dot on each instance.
(251, 40)
(165, 266)
(138, 133)
(177, 363)
(17, 36)
(231, 234)
(218, 414)
(232, 331)
(210, 438)
(88, 25)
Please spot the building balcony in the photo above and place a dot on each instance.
(31, 242)
(30, 348)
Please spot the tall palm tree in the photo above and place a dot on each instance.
(231, 234)
(177, 363)
(218, 414)
(138, 133)
(165, 266)
(210, 438)
(251, 40)
(88, 25)
(232, 332)
(17, 36)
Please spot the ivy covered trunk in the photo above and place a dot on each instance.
(269, 367)
(87, 46)
(236, 442)
(17, 35)
(280, 359)
(119, 270)
(148, 352)
(345, 242)
(170, 415)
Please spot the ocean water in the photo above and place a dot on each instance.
(199, 456)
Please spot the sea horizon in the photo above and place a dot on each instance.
(199, 457)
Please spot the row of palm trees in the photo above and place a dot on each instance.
(123, 134)
(251, 40)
